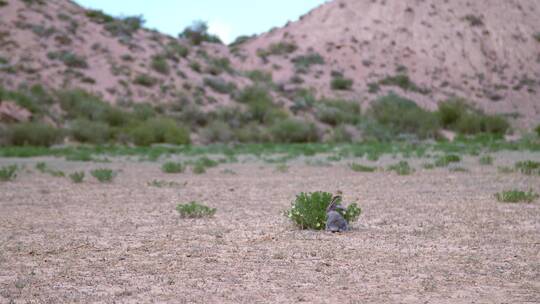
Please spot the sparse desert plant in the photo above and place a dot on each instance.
(516, 196)
(172, 167)
(294, 130)
(199, 168)
(528, 167)
(260, 76)
(398, 115)
(86, 131)
(401, 168)
(69, 59)
(8, 173)
(474, 20)
(537, 130)
(195, 210)
(160, 130)
(278, 49)
(336, 112)
(219, 85)
(77, 177)
(445, 160)
(160, 64)
(308, 211)
(145, 80)
(458, 169)
(103, 175)
(404, 82)
(304, 62)
(99, 16)
(44, 168)
(428, 166)
(174, 49)
(486, 160)
(33, 134)
(3, 3)
(161, 183)
(341, 84)
(361, 168)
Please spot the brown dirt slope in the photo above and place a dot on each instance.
(485, 51)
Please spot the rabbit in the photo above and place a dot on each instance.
(335, 221)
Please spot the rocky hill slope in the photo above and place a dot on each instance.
(487, 52)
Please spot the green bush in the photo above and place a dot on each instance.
(172, 167)
(260, 76)
(195, 210)
(217, 132)
(304, 62)
(124, 27)
(516, 196)
(145, 80)
(175, 49)
(361, 168)
(309, 210)
(216, 66)
(337, 112)
(341, 84)
(278, 49)
(528, 167)
(294, 130)
(33, 134)
(86, 131)
(77, 177)
(35, 98)
(537, 130)
(402, 168)
(260, 104)
(69, 59)
(160, 64)
(402, 116)
(160, 130)
(445, 160)
(8, 173)
(456, 115)
(99, 16)
(220, 85)
(404, 82)
(103, 175)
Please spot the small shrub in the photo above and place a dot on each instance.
(124, 27)
(77, 177)
(161, 184)
(486, 160)
(401, 168)
(217, 66)
(282, 168)
(195, 210)
(172, 167)
(260, 76)
(43, 168)
(309, 210)
(278, 49)
(337, 112)
(174, 49)
(199, 168)
(445, 160)
(537, 130)
(99, 16)
(341, 84)
(220, 85)
(398, 115)
(69, 59)
(404, 82)
(160, 130)
(474, 20)
(145, 80)
(516, 196)
(103, 175)
(33, 134)
(528, 167)
(160, 64)
(8, 173)
(304, 62)
(361, 168)
(294, 131)
(86, 131)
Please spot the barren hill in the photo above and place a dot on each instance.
(485, 51)
(59, 44)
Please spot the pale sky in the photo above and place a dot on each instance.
(226, 18)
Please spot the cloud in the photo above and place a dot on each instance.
(223, 30)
